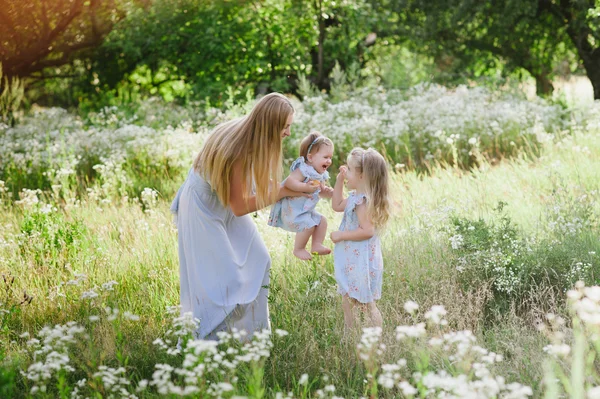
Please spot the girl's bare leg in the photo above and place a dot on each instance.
(374, 315)
(318, 237)
(349, 316)
(300, 244)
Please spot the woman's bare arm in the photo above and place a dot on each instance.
(241, 206)
(295, 182)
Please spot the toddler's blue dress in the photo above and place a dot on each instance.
(297, 214)
(358, 264)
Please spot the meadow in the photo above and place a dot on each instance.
(490, 260)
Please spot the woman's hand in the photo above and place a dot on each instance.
(310, 187)
(336, 236)
(286, 192)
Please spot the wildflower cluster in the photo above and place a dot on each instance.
(570, 366)
(568, 215)
(431, 122)
(51, 354)
(490, 251)
(452, 364)
(116, 145)
(54, 147)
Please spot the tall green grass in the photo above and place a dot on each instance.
(53, 252)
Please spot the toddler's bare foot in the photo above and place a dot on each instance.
(320, 249)
(302, 254)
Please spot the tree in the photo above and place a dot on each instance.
(533, 35)
(344, 31)
(581, 19)
(476, 36)
(11, 95)
(217, 44)
(39, 34)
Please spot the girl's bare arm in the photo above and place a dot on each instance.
(338, 202)
(364, 231)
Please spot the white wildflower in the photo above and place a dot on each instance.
(91, 294)
(436, 314)
(411, 306)
(303, 379)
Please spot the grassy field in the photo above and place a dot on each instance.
(90, 279)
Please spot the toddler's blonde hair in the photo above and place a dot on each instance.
(317, 140)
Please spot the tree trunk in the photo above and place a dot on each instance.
(543, 85)
(320, 62)
(321, 76)
(592, 70)
(588, 54)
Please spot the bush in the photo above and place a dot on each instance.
(522, 268)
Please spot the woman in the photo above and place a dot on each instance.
(223, 262)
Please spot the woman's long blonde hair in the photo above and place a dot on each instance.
(255, 141)
(374, 169)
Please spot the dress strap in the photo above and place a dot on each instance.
(354, 200)
(297, 163)
(308, 171)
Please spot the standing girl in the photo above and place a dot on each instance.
(298, 214)
(223, 262)
(357, 255)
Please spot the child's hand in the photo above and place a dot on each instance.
(326, 191)
(336, 236)
(342, 172)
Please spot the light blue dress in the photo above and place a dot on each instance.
(223, 263)
(358, 264)
(297, 214)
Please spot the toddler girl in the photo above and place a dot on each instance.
(358, 262)
(298, 214)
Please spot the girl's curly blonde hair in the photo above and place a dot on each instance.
(374, 169)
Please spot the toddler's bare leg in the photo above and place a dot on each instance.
(318, 237)
(300, 244)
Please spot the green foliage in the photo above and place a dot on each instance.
(490, 251)
(38, 37)
(50, 237)
(11, 96)
(8, 377)
(189, 49)
(119, 52)
(470, 38)
(518, 266)
(400, 67)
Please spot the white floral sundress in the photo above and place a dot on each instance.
(358, 264)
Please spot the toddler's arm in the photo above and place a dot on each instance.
(364, 231)
(338, 202)
(295, 182)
